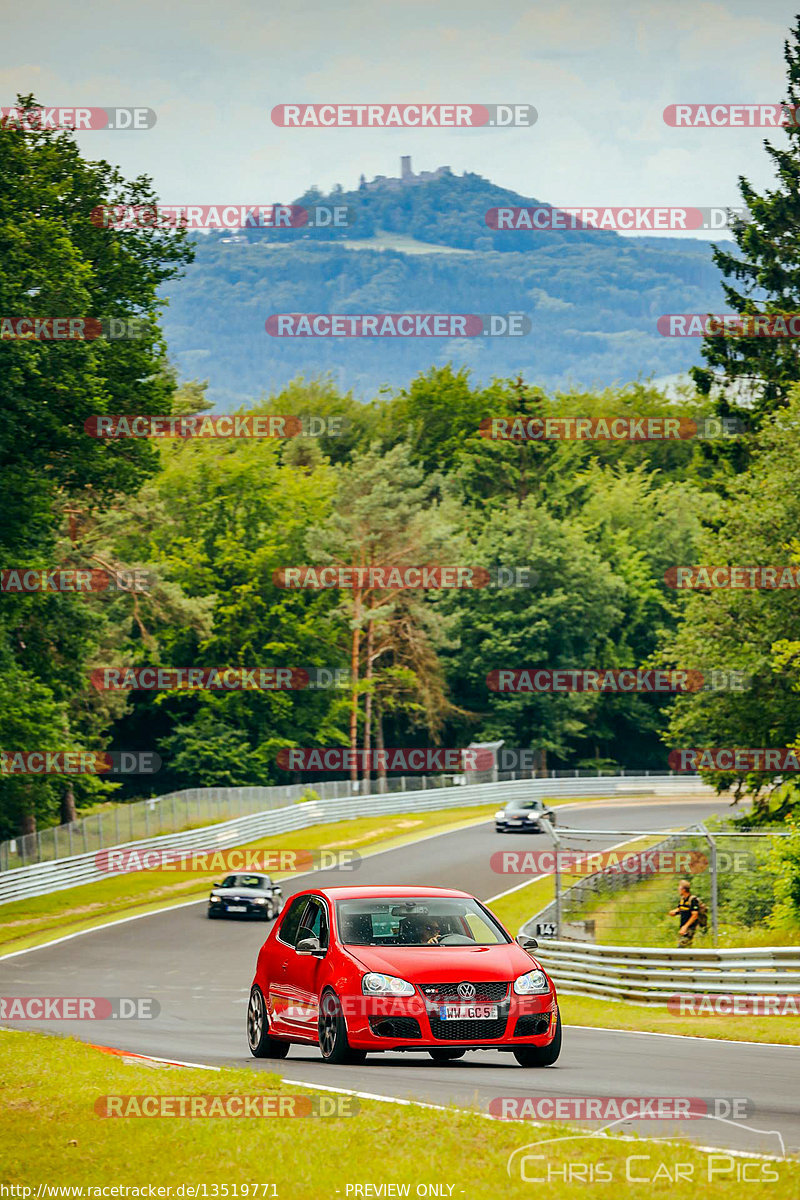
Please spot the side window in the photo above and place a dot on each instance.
(315, 922)
(290, 924)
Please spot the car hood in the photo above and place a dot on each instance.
(446, 964)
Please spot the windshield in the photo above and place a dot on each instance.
(244, 881)
(407, 921)
(519, 804)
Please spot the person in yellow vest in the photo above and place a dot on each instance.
(688, 913)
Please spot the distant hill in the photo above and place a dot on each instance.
(593, 297)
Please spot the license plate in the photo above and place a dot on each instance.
(237, 908)
(467, 1012)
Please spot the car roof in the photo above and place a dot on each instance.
(365, 892)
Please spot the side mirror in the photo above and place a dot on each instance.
(527, 943)
(310, 945)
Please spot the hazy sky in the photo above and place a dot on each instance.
(599, 73)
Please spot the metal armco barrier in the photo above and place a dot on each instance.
(649, 975)
(40, 878)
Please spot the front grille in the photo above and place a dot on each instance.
(467, 1031)
(531, 1024)
(442, 992)
(397, 1027)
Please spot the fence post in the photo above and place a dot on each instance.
(714, 893)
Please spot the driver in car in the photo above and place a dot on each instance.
(432, 932)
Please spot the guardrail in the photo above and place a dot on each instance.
(188, 809)
(40, 878)
(650, 974)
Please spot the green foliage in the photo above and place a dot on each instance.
(762, 275)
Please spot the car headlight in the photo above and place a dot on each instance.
(259, 900)
(498, 816)
(376, 984)
(530, 983)
(214, 900)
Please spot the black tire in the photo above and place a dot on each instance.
(258, 1037)
(441, 1055)
(333, 1044)
(540, 1056)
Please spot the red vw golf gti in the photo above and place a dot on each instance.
(359, 970)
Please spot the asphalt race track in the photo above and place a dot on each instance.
(200, 972)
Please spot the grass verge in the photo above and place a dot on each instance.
(50, 1134)
(616, 1014)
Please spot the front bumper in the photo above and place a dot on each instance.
(230, 907)
(413, 1023)
(521, 827)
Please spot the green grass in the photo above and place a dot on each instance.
(36, 920)
(638, 917)
(50, 1133)
(616, 1014)
(518, 907)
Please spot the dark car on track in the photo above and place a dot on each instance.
(522, 816)
(245, 896)
(358, 970)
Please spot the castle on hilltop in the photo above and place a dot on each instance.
(407, 178)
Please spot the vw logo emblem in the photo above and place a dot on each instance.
(466, 991)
